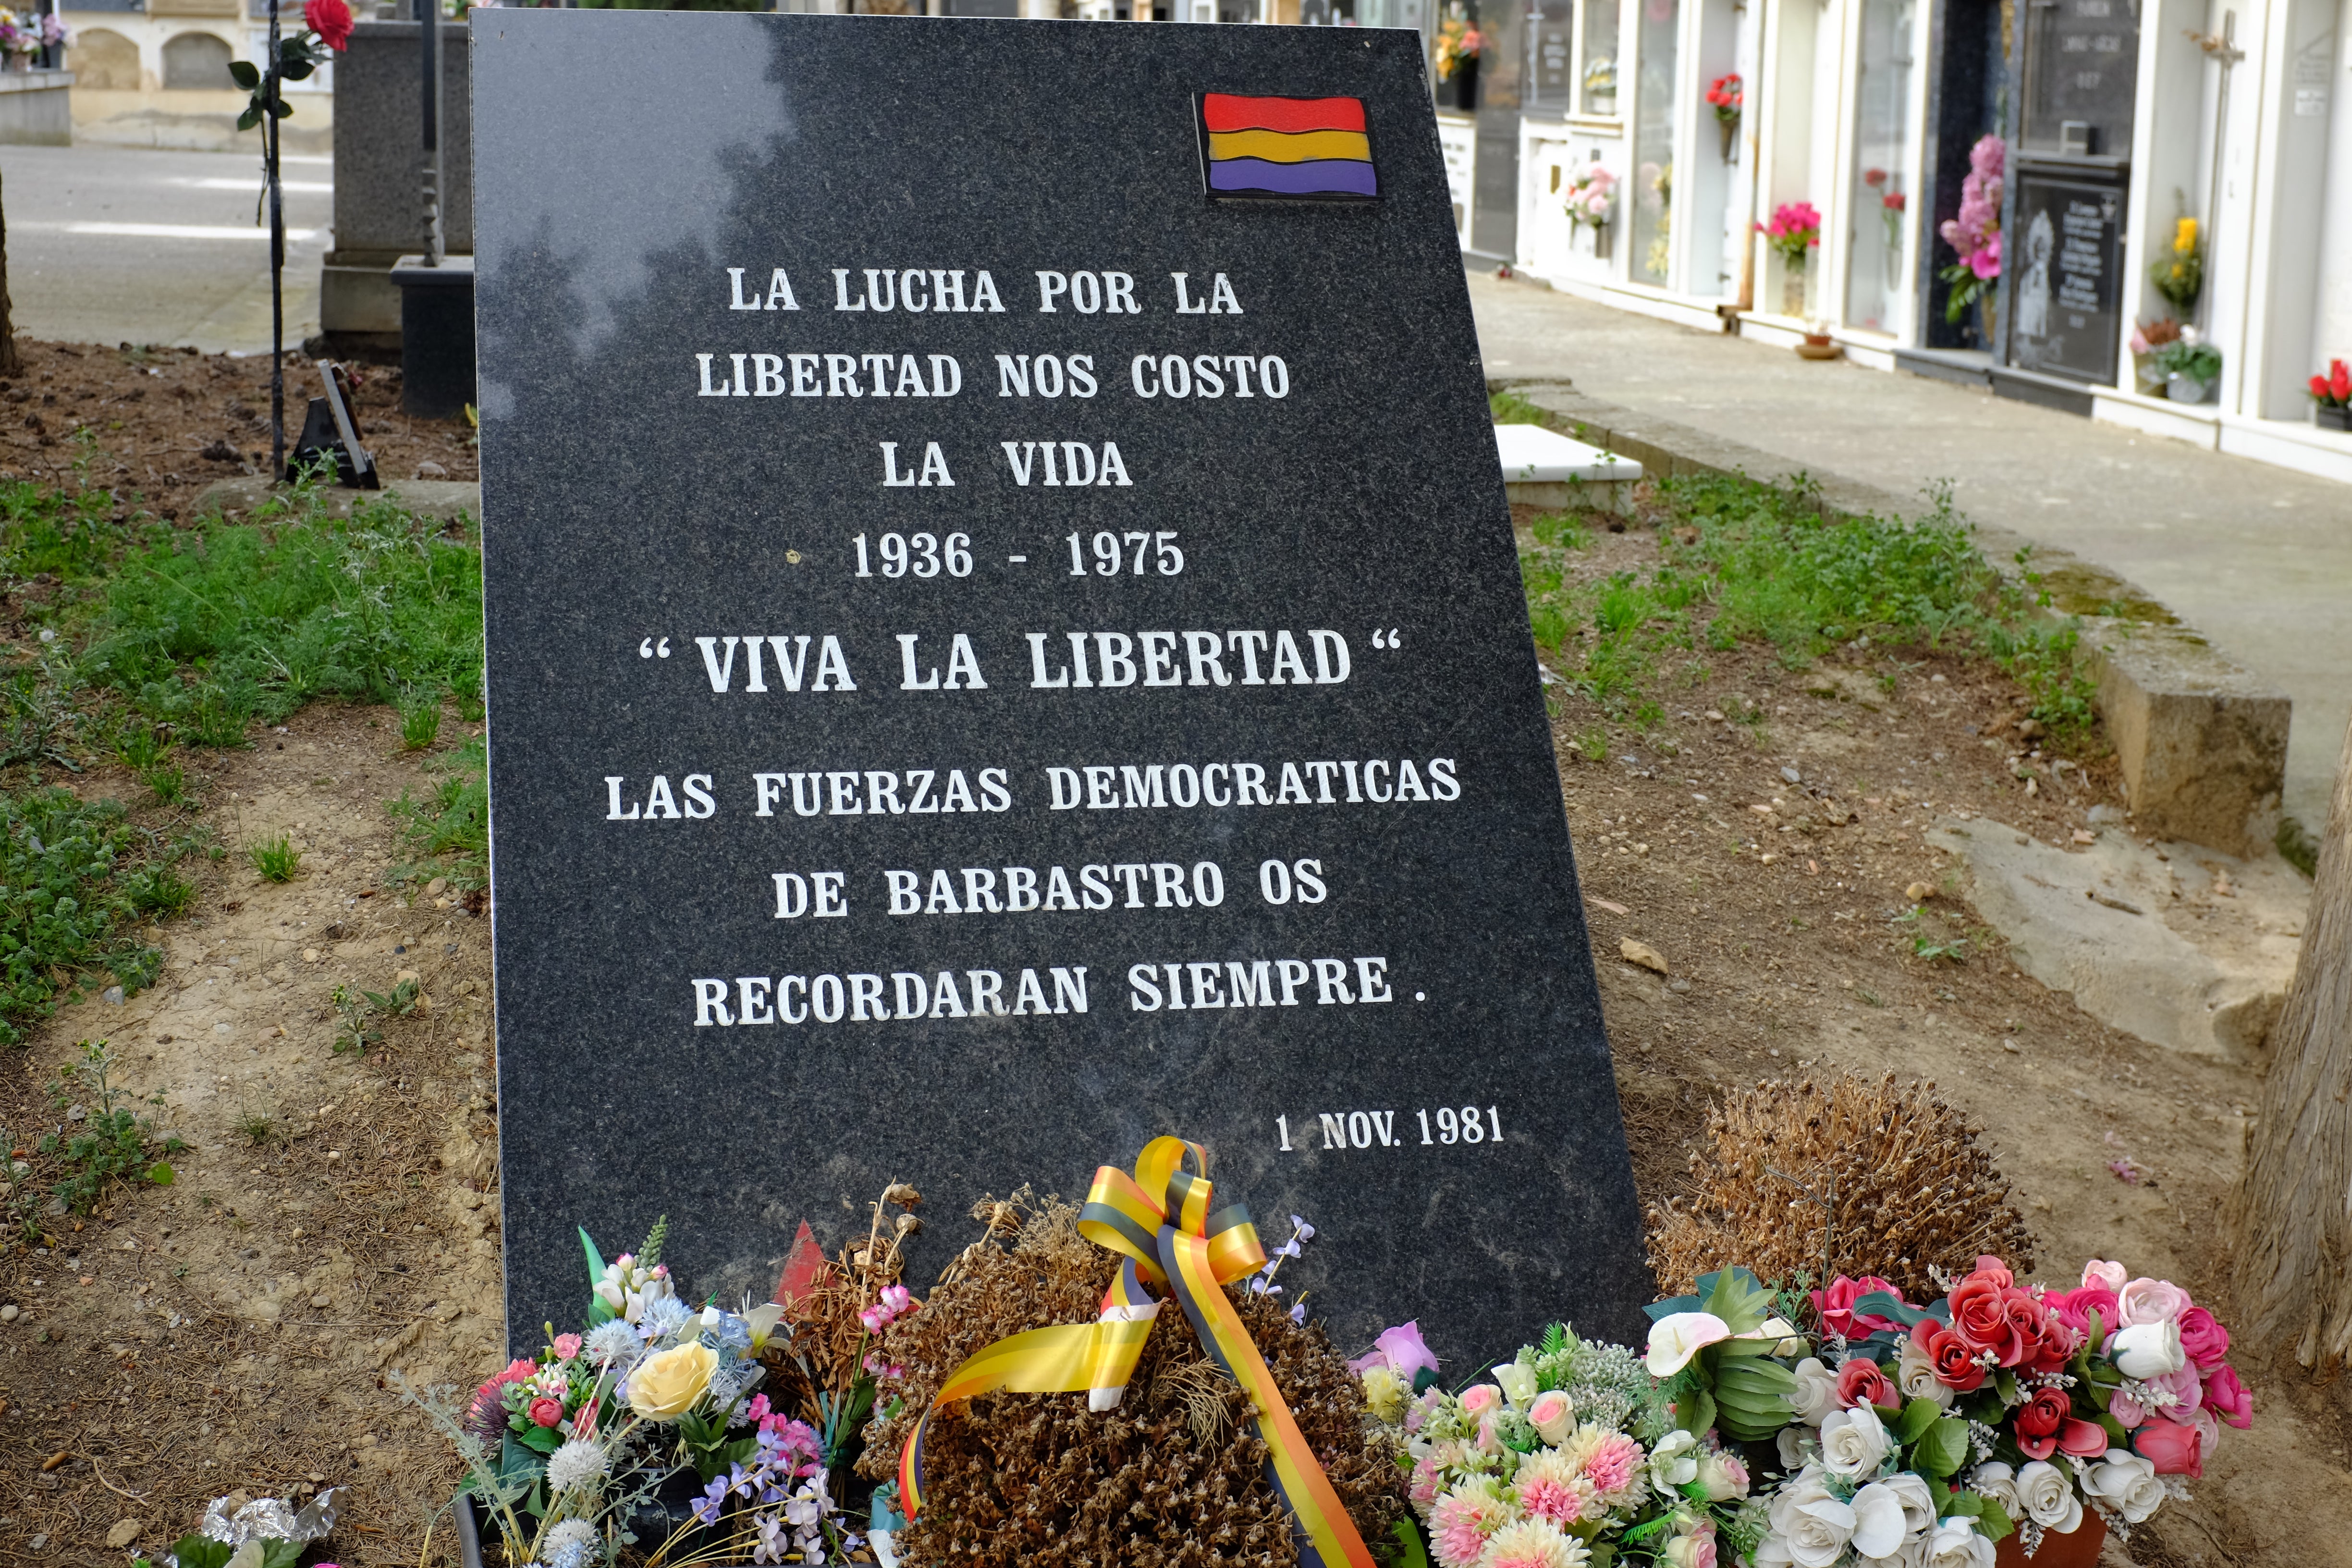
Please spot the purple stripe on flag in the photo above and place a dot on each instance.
(1316, 177)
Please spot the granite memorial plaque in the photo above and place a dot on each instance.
(1004, 641)
(2068, 312)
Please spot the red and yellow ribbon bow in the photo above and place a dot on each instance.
(1160, 1221)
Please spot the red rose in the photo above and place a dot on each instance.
(1837, 1306)
(2038, 1420)
(2339, 381)
(545, 1412)
(1861, 1382)
(2227, 1397)
(1979, 1315)
(2171, 1448)
(1954, 1361)
(330, 19)
(2032, 1330)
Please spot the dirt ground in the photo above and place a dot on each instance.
(334, 1217)
(164, 423)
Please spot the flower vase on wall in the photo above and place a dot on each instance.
(1730, 132)
(1600, 245)
(2332, 416)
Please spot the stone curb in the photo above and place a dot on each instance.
(444, 498)
(2203, 741)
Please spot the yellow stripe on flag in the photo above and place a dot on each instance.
(1293, 147)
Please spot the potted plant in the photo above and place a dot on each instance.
(1457, 49)
(2179, 273)
(1727, 96)
(1975, 238)
(2190, 367)
(1591, 198)
(1795, 229)
(2147, 338)
(2331, 397)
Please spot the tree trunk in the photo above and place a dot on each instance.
(11, 362)
(2293, 1215)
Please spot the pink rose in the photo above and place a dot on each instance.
(1479, 1398)
(1861, 1382)
(2209, 1428)
(2082, 1439)
(1837, 1306)
(2150, 1301)
(2172, 1448)
(2228, 1398)
(566, 1346)
(546, 1412)
(2073, 1309)
(2203, 1337)
(2186, 1387)
(2128, 1412)
(2108, 1277)
(1553, 1416)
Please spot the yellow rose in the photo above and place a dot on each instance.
(2184, 236)
(665, 1386)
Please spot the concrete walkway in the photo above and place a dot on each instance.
(2259, 559)
(110, 244)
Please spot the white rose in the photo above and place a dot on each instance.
(1518, 1384)
(1956, 1545)
(2126, 1483)
(1914, 1374)
(1919, 1503)
(1796, 1448)
(1819, 1533)
(1997, 1482)
(1854, 1442)
(1878, 1528)
(1815, 1395)
(1674, 1461)
(2049, 1497)
(1773, 1552)
(1806, 1485)
(2149, 1350)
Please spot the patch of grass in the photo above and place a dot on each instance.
(277, 859)
(1561, 530)
(75, 877)
(114, 1142)
(45, 531)
(362, 1011)
(1594, 743)
(1509, 408)
(255, 1127)
(210, 631)
(449, 829)
(2297, 847)
(1766, 565)
(420, 719)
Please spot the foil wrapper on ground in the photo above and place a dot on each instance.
(268, 1518)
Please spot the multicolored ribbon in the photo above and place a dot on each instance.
(1160, 1220)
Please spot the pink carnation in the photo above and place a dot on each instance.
(566, 1346)
(1546, 1498)
(1462, 1522)
(1424, 1488)
(1612, 1464)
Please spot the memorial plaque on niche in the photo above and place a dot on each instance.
(1005, 642)
(2066, 316)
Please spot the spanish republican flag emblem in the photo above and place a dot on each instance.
(1315, 148)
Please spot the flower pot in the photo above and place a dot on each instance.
(20, 62)
(2332, 416)
(1817, 346)
(1730, 132)
(1792, 289)
(2186, 389)
(2078, 1548)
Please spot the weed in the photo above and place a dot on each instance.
(277, 859)
(76, 882)
(113, 1143)
(1869, 997)
(167, 781)
(449, 829)
(420, 719)
(1509, 408)
(363, 1010)
(2297, 847)
(1561, 530)
(255, 1127)
(1594, 743)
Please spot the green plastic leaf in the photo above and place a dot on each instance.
(282, 110)
(1916, 1417)
(542, 1439)
(281, 1553)
(201, 1552)
(247, 121)
(162, 1174)
(245, 73)
(1993, 1522)
(1411, 1553)
(2116, 1437)
(2006, 1382)
(296, 70)
(1959, 1505)
(1943, 1448)
(1700, 1414)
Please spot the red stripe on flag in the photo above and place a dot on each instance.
(1226, 111)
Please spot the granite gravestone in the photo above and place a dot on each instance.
(998, 652)
(2068, 309)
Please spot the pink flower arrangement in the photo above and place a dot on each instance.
(1590, 198)
(1795, 228)
(1975, 234)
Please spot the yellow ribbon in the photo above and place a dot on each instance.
(1160, 1220)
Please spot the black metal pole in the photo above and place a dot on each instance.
(429, 17)
(269, 84)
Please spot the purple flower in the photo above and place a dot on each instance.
(1403, 1349)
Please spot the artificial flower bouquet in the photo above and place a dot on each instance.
(570, 1453)
(2333, 390)
(1458, 40)
(1975, 234)
(1571, 1455)
(1795, 229)
(1590, 196)
(1943, 1427)
(1726, 97)
(2179, 273)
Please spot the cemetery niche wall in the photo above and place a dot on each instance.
(1005, 642)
